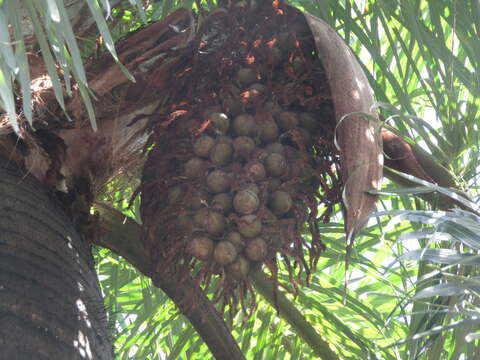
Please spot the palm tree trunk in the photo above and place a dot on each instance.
(50, 301)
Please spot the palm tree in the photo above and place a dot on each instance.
(421, 57)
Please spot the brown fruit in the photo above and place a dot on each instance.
(218, 181)
(280, 202)
(249, 226)
(194, 168)
(225, 253)
(221, 154)
(202, 146)
(200, 247)
(215, 223)
(275, 164)
(239, 268)
(222, 202)
(219, 122)
(246, 76)
(287, 120)
(244, 125)
(243, 146)
(256, 249)
(246, 202)
(255, 171)
(268, 131)
(236, 239)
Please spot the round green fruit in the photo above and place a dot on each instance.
(256, 249)
(249, 226)
(222, 202)
(194, 168)
(236, 239)
(239, 268)
(246, 76)
(268, 131)
(221, 154)
(215, 223)
(246, 202)
(287, 120)
(280, 202)
(244, 125)
(243, 146)
(200, 247)
(218, 181)
(202, 146)
(220, 122)
(275, 164)
(225, 253)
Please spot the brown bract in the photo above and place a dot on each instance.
(358, 137)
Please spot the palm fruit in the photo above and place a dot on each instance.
(246, 76)
(194, 168)
(221, 154)
(275, 164)
(201, 247)
(200, 217)
(243, 146)
(255, 171)
(280, 202)
(244, 125)
(287, 120)
(249, 226)
(256, 249)
(218, 181)
(239, 268)
(220, 122)
(242, 177)
(275, 148)
(254, 93)
(273, 108)
(225, 253)
(215, 223)
(252, 187)
(202, 146)
(246, 202)
(268, 131)
(236, 239)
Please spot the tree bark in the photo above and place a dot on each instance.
(50, 301)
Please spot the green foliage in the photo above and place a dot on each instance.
(413, 283)
(412, 288)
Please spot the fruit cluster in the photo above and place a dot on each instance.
(232, 180)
